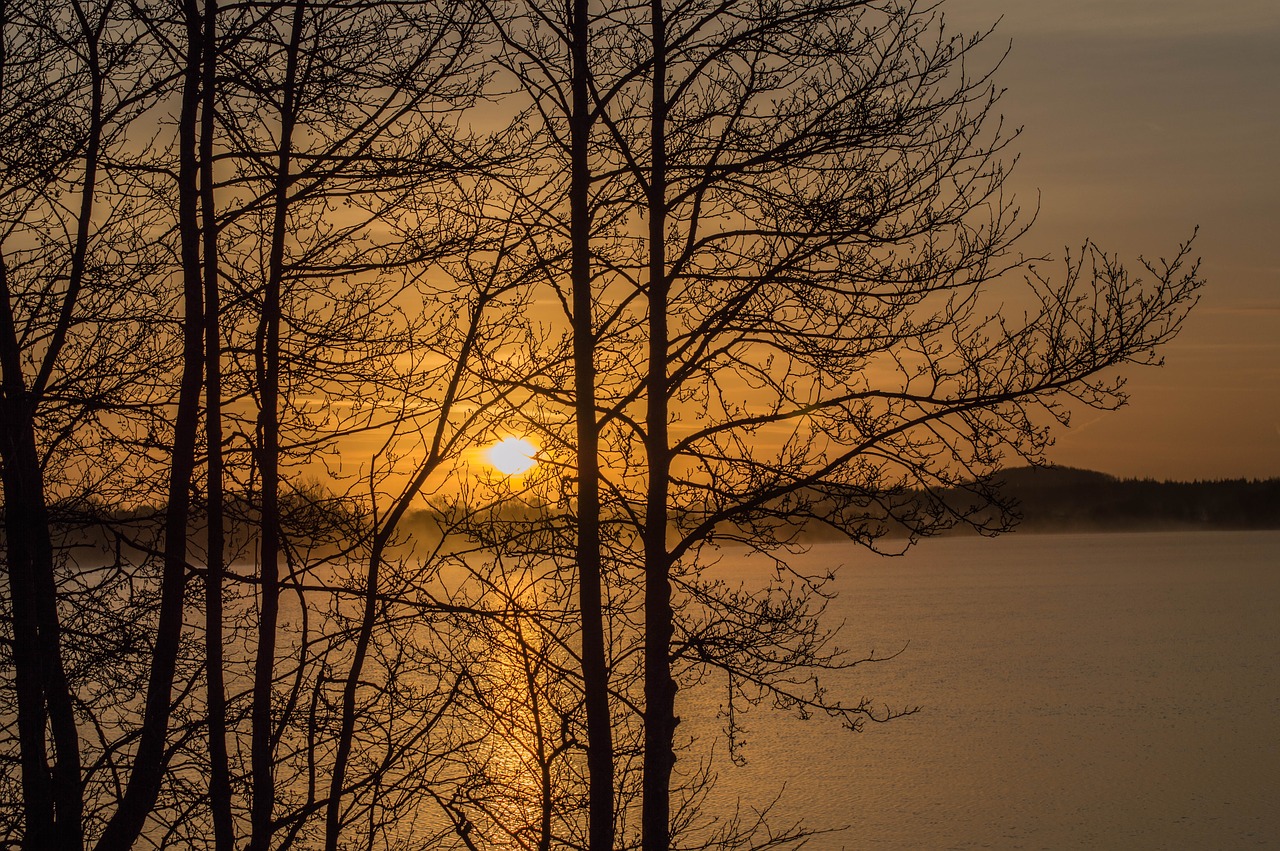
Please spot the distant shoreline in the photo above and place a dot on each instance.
(1065, 499)
(1071, 500)
(1044, 499)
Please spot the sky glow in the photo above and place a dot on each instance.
(1143, 119)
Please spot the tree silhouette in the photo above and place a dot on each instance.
(308, 267)
(818, 330)
(781, 244)
(73, 264)
(337, 121)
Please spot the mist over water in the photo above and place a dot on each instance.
(1076, 691)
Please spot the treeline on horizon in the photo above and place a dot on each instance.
(1068, 499)
(1041, 499)
(1045, 499)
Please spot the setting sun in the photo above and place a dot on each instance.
(512, 455)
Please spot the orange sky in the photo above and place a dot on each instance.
(1143, 119)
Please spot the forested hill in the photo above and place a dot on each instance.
(1064, 498)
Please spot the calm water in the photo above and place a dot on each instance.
(1077, 691)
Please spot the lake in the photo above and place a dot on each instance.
(1076, 691)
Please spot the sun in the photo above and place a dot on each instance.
(512, 455)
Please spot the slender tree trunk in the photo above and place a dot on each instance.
(68, 799)
(54, 811)
(23, 511)
(215, 690)
(545, 800)
(377, 551)
(262, 750)
(333, 810)
(151, 757)
(595, 672)
(67, 788)
(659, 686)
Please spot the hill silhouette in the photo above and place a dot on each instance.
(1065, 499)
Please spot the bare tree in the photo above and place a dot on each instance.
(309, 238)
(73, 77)
(343, 200)
(216, 551)
(826, 227)
(799, 264)
(552, 51)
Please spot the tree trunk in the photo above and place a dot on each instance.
(23, 504)
(595, 673)
(659, 686)
(377, 552)
(215, 690)
(151, 756)
(262, 751)
(23, 513)
(52, 800)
